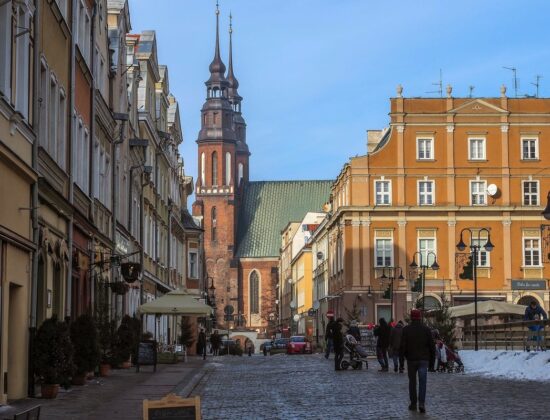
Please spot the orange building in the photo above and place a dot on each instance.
(443, 165)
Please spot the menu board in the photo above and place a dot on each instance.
(147, 354)
(172, 407)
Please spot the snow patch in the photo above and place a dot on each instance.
(508, 364)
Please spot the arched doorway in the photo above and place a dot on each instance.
(430, 302)
(527, 299)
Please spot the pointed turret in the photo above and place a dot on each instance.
(234, 97)
(217, 112)
(217, 67)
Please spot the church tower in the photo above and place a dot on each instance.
(216, 187)
(239, 125)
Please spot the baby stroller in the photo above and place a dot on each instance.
(357, 354)
(447, 360)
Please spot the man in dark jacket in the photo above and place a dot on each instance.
(382, 331)
(395, 346)
(534, 309)
(418, 347)
(329, 333)
(202, 343)
(338, 341)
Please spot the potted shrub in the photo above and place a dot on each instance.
(124, 343)
(106, 330)
(120, 287)
(53, 356)
(86, 347)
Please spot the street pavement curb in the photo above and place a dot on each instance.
(184, 389)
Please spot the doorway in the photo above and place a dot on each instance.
(383, 311)
(15, 379)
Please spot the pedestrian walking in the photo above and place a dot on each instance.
(215, 341)
(329, 333)
(338, 342)
(249, 347)
(395, 347)
(534, 309)
(202, 343)
(382, 332)
(418, 347)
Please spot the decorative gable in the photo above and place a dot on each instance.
(478, 106)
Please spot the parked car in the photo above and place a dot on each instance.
(299, 345)
(265, 347)
(279, 345)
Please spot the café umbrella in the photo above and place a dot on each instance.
(486, 308)
(177, 302)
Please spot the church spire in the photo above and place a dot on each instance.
(217, 68)
(233, 82)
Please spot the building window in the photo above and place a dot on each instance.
(424, 149)
(482, 254)
(529, 148)
(241, 172)
(5, 48)
(227, 168)
(193, 265)
(425, 193)
(84, 30)
(339, 255)
(530, 193)
(254, 293)
(382, 190)
(22, 60)
(426, 247)
(384, 252)
(214, 223)
(62, 128)
(531, 252)
(203, 169)
(52, 111)
(476, 149)
(215, 168)
(478, 193)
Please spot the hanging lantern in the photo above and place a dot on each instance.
(130, 271)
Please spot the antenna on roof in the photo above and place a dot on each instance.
(471, 88)
(439, 85)
(537, 84)
(515, 71)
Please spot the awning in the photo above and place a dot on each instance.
(486, 308)
(177, 302)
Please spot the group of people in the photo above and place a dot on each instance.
(413, 342)
(202, 343)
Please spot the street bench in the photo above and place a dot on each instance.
(30, 414)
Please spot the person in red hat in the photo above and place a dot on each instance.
(418, 347)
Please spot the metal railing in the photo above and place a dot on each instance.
(506, 336)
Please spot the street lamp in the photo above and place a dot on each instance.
(424, 265)
(392, 276)
(475, 246)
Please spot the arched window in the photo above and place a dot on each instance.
(254, 293)
(241, 172)
(205, 119)
(203, 169)
(215, 168)
(227, 168)
(213, 223)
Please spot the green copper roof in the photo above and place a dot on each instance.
(268, 206)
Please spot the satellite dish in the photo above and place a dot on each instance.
(296, 318)
(492, 190)
(316, 305)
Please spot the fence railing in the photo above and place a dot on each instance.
(506, 336)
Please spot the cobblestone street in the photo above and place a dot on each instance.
(301, 387)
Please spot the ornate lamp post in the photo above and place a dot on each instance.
(475, 246)
(424, 265)
(392, 276)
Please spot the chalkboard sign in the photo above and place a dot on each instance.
(147, 354)
(172, 407)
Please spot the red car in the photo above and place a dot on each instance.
(299, 345)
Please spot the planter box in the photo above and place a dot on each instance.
(167, 358)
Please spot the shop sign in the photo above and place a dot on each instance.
(528, 284)
(122, 244)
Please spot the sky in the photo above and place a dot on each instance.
(316, 74)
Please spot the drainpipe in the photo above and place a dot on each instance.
(34, 198)
(114, 189)
(91, 183)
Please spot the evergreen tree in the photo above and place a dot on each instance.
(443, 322)
(352, 314)
(186, 337)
